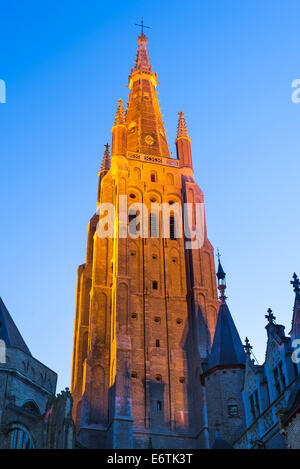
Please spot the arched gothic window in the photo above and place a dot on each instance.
(20, 439)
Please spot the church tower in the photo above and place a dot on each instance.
(146, 306)
(224, 377)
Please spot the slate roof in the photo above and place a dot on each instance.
(227, 348)
(9, 331)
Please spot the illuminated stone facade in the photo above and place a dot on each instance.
(146, 308)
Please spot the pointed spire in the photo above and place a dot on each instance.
(221, 279)
(9, 331)
(182, 128)
(142, 59)
(106, 159)
(120, 117)
(146, 132)
(227, 348)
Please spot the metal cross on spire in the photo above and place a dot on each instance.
(142, 26)
(218, 254)
(270, 316)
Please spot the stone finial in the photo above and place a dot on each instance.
(105, 165)
(142, 61)
(296, 284)
(248, 347)
(182, 128)
(120, 116)
(270, 316)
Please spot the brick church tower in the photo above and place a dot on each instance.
(146, 307)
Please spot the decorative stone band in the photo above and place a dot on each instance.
(153, 159)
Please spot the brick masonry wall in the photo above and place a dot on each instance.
(222, 388)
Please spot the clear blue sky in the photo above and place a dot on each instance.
(228, 64)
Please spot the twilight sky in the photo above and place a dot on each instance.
(228, 64)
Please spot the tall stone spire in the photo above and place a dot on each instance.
(126, 299)
(145, 127)
(183, 144)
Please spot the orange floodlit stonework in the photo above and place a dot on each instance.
(166, 220)
(146, 308)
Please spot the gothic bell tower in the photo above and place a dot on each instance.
(146, 306)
